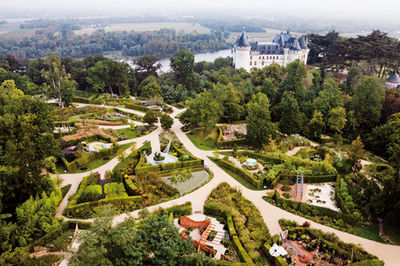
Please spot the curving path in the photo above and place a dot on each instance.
(390, 254)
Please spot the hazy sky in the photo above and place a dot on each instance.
(370, 10)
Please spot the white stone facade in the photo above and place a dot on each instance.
(283, 50)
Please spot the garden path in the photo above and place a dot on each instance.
(271, 214)
(107, 106)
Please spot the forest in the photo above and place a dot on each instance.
(61, 39)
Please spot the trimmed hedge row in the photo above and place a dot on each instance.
(70, 166)
(130, 187)
(321, 210)
(168, 167)
(86, 210)
(136, 107)
(228, 143)
(249, 177)
(373, 262)
(277, 261)
(80, 100)
(178, 210)
(87, 139)
(311, 179)
(244, 256)
(231, 227)
(262, 157)
(81, 189)
(339, 200)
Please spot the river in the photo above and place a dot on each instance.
(208, 57)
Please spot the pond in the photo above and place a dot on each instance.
(196, 180)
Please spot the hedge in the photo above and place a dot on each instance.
(244, 256)
(81, 189)
(262, 157)
(137, 107)
(277, 261)
(75, 164)
(86, 210)
(80, 100)
(81, 225)
(168, 167)
(228, 143)
(231, 227)
(91, 138)
(90, 193)
(310, 179)
(178, 210)
(130, 188)
(249, 177)
(339, 200)
(321, 210)
(349, 250)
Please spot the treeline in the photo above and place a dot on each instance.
(380, 52)
(161, 43)
(225, 26)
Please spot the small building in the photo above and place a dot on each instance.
(251, 162)
(393, 82)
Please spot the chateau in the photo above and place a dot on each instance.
(283, 50)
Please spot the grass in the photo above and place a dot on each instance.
(198, 137)
(95, 163)
(65, 189)
(238, 178)
(369, 232)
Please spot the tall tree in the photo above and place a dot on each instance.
(166, 121)
(316, 125)
(204, 111)
(109, 75)
(290, 114)
(150, 88)
(296, 72)
(59, 80)
(337, 119)
(356, 152)
(26, 139)
(259, 125)
(146, 65)
(367, 103)
(182, 63)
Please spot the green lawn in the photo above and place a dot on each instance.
(369, 232)
(199, 138)
(238, 178)
(95, 163)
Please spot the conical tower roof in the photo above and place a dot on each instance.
(242, 40)
(395, 78)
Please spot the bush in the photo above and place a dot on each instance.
(178, 210)
(244, 256)
(286, 188)
(130, 188)
(113, 190)
(88, 209)
(286, 195)
(91, 193)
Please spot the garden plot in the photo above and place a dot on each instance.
(321, 195)
(191, 183)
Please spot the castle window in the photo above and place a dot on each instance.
(251, 57)
(251, 63)
(255, 63)
(262, 63)
(259, 57)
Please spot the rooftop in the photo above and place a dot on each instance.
(395, 78)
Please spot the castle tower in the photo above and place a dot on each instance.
(242, 52)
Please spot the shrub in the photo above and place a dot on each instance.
(286, 195)
(286, 188)
(91, 193)
(113, 190)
